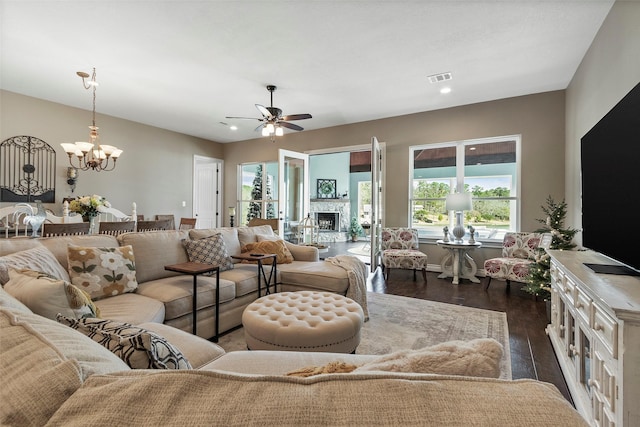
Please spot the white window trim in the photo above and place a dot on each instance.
(460, 145)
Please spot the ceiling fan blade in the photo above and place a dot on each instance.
(290, 125)
(297, 117)
(263, 110)
(244, 118)
(259, 128)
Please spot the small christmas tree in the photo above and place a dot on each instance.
(539, 280)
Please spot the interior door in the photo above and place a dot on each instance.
(293, 192)
(206, 191)
(377, 202)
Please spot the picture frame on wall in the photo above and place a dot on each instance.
(326, 188)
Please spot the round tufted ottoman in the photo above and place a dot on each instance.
(303, 321)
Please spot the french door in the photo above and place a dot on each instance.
(377, 202)
(293, 191)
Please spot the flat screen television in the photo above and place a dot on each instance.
(610, 174)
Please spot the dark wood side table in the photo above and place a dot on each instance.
(195, 269)
(273, 274)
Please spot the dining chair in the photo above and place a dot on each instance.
(115, 228)
(187, 223)
(71, 229)
(167, 217)
(154, 225)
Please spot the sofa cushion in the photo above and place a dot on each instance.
(58, 244)
(154, 250)
(38, 258)
(132, 308)
(198, 351)
(283, 256)
(10, 302)
(102, 272)
(177, 293)
(9, 246)
(137, 347)
(210, 250)
(36, 378)
(248, 235)
(48, 296)
(319, 275)
(270, 362)
(229, 235)
(62, 340)
(245, 276)
(199, 398)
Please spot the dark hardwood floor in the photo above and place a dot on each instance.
(531, 353)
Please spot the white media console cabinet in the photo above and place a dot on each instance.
(595, 332)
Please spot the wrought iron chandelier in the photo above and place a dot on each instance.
(92, 155)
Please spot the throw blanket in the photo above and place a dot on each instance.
(357, 273)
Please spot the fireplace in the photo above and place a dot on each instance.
(328, 221)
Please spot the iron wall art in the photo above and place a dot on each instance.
(326, 189)
(28, 167)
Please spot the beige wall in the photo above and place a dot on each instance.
(538, 118)
(609, 70)
(155, 170)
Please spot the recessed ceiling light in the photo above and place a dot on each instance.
(445, 90)
(233, 127)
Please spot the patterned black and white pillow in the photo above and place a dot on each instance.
(137, 347)
(210, 250)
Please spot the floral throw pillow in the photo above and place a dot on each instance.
(102, 272)
(137, 347)
(210, 250)
(48, 296)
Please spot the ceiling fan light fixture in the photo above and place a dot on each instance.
(279, 131)
(265, 131)
(270, 128)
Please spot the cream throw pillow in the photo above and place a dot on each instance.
(48, 296)
(38, 259)
(102, 272)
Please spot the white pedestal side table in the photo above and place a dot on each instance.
(457, 263)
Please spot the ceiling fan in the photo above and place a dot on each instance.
(272, 119)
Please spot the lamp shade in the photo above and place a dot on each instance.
(232, 211)
(458, 202)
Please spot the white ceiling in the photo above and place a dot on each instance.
(185, 65)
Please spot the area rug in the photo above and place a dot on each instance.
(398, 323)
(364, 250)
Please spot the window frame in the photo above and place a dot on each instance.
(241, 215)
(459, 179)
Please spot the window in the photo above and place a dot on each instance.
(486, 168)
(259, 191)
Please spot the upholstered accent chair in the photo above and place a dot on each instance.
(400, 250)
(518, 253)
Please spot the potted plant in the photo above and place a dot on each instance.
(355, 229)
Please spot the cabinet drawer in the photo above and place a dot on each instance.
(606, 329)
(583, 306)
(567, 288)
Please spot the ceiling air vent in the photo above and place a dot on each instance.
(442, 77)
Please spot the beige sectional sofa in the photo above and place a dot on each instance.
(166, 297)
(53, 375)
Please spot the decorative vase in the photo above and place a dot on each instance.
(92, 223)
